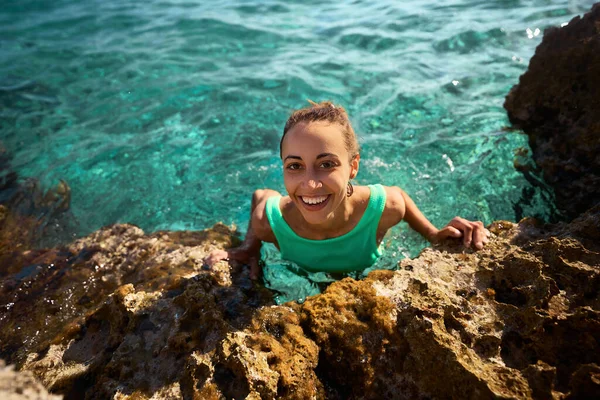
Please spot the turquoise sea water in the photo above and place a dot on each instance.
(167, 114)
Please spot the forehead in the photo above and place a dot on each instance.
(320, 136)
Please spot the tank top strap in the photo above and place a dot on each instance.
(375, 208)
(275, 216)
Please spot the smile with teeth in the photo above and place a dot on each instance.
(313, 199)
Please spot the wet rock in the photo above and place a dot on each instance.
(27, 215)
(122, 314)
(21, 385)
(355, 331)
(557, 104)
(585, 382)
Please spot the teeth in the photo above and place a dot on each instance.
(314, 200)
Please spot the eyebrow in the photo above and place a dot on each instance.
(322, 155)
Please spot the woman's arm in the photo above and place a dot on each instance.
(259, 230)
(399, 206)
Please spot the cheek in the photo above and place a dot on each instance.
(337, 179)
(335, 183)
(290, 182)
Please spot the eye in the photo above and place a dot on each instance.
(328, 164)
(293, 166)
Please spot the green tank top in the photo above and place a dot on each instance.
(353, 251)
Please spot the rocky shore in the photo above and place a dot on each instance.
(557, 102)
(121, 314)
(21, 385)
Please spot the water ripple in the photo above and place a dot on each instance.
(168, 113)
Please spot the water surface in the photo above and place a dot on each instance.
(168, 114)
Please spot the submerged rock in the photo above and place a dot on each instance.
(26, 214)
(557, 103)
(121, 314)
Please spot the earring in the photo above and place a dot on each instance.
(349, 189)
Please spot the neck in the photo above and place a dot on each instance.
(336, 220)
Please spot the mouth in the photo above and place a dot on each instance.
(314, 203)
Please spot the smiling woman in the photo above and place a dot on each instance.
(325, 223)
(317, 169)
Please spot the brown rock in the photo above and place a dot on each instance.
(21, 385)
(585, 382)
(120, 314)
(557, 103)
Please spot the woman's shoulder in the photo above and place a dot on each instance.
(393, 194)
(259, 202)
(259, 217)
(261, 195)
(395, 207)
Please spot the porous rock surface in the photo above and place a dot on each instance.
(122, 315)
(557, 103)
(21, 385)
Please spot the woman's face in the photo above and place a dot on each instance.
(316, 169)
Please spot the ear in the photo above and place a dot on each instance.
(354, 166)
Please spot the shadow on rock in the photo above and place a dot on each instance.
(128, 314)
(556, 103)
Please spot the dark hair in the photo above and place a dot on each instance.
(324, 111)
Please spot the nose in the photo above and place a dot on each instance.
(313, 184)
(311, 181)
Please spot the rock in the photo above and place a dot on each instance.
(21, 385)
(557, 103)
(121, 314)
(178, 321)
(585, 382)
(27, 215)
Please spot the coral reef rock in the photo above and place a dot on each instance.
(557, 103)
(122, 315)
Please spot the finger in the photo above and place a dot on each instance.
(468, 236)
(478, 234)
(466, 228)
(488, 233)
(458, 221)
(214, 257)
(217, 255)
(449, 231)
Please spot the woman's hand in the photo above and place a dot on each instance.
(472, 232)
(240, 254)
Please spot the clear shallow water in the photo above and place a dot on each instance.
(167, 114)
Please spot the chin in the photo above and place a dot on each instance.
(316, 217)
